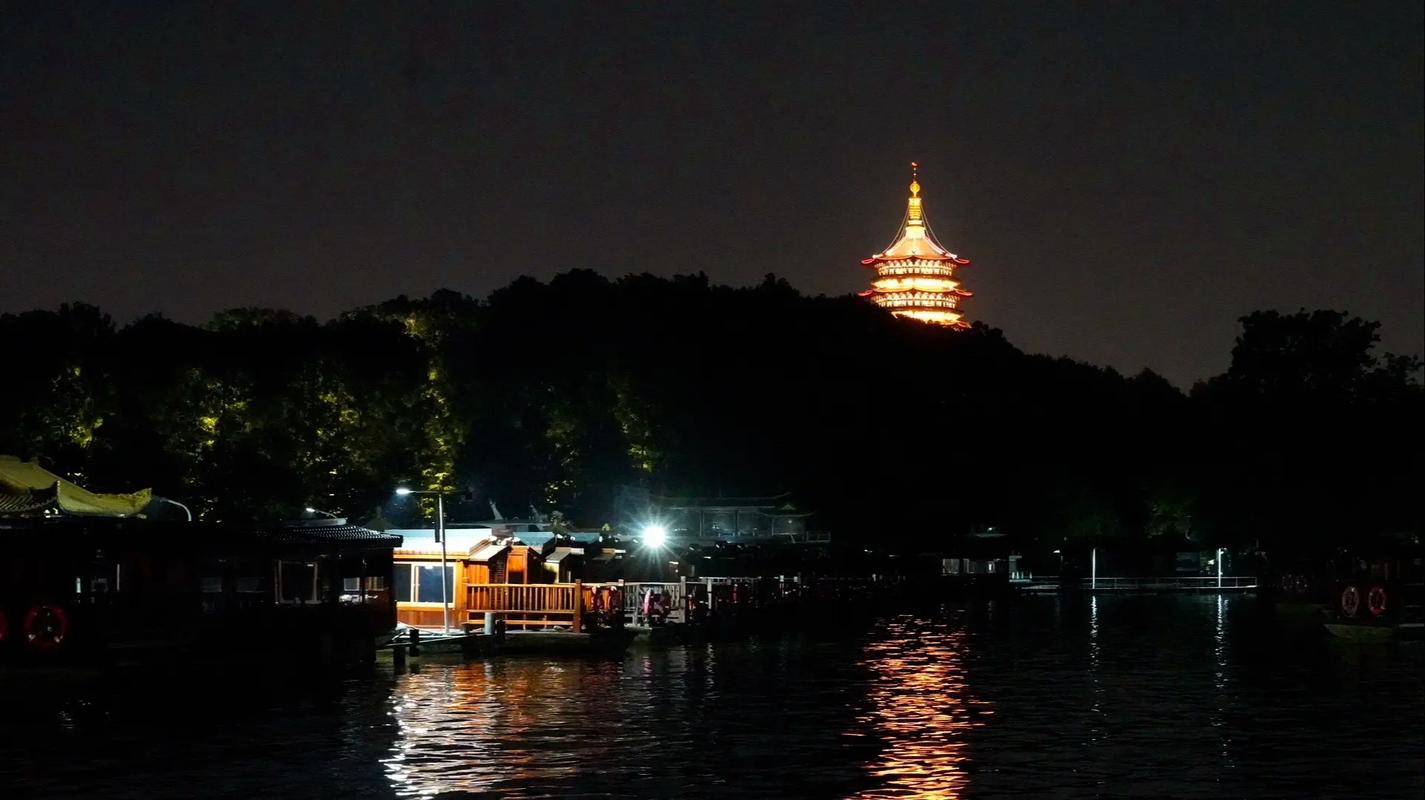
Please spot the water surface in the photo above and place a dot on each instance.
(1132, 696)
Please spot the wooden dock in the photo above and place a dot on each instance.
(1236, 584)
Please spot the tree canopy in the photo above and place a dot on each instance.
(561, 395)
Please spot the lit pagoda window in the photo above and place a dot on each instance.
(915, 276)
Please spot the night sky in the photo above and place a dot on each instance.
(1127, 179)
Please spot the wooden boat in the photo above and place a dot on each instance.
(1361, 633)
(114, 592)
(1379, 592)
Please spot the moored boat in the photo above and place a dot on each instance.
(1379, 592)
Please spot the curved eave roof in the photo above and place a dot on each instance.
(891, 255)
(874, 291)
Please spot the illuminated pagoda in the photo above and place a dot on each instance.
(915, 276)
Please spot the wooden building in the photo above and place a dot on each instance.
(78, 588)
(474, 556)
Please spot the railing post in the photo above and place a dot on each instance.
(683, 597)
(578, 605)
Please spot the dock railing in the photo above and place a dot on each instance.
(531, 605)
(634, 593)
(1209, 583)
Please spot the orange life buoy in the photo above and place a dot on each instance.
(46, 626)
(1377, 601)
(4, 625)
(1350, 601)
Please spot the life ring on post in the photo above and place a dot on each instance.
(1377, 601)
(1350, 601)
(4, 625)
(46, 626)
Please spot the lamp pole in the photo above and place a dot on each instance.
(440, 537)
(180, 505)
(445, 590)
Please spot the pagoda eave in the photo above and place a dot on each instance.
(876, 260)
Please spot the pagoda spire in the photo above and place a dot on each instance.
(915, 275)
(914, 213)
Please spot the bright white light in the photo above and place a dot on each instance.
(311, 510)
(655, 535)
(402, 491)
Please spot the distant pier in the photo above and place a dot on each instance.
(1235, 584)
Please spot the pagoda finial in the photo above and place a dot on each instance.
(914, 208)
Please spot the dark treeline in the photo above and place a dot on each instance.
(564, 396)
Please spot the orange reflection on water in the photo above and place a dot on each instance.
(921, 708)
(482, 727)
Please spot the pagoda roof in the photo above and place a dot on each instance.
(915, 240)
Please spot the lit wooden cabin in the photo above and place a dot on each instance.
(474, 556)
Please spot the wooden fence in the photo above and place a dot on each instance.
(533, 605)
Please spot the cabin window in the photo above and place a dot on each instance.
(430, 585)
(352, 591)
(420, 583)
(299, 582)
(374, 583)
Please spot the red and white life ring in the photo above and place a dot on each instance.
(1377, 601)
(1350, 601)
(46, 626)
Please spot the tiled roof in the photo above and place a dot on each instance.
(330, 534)
(26, 502)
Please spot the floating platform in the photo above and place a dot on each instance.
(476, 644)
(1366, 633)
(1161, 585)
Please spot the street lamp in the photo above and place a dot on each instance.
(403, 491)
(655, 536)
(176, 503)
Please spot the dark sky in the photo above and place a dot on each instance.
(1127, 179)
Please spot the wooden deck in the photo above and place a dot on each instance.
(1151, 585)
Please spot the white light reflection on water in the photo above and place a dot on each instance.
(1098, 723)
(921, 708)
(1221, 696)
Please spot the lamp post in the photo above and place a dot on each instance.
(440, 537)
(180, 505)
(1220, 551)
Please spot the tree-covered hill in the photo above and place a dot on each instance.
(560, 396)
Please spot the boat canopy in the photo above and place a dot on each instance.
(34, 489)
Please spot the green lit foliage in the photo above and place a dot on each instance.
(634, 421)
(439, 434)
(57, 396)
(202, 422)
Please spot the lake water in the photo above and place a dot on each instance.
(1130, 696)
